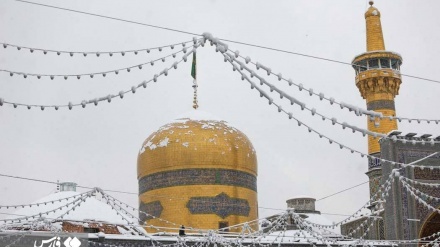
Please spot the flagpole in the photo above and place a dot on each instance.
(195, 85)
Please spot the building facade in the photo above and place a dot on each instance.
(405, 216)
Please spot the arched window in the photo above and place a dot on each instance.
(431, 225)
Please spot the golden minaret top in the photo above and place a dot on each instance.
(375, 40)
(378, 79)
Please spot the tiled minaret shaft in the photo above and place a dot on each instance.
(378, 80)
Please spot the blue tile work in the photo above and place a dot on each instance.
(411, 155)
(400, 205)
(221, 205)
(375, 177)
(402, 158)
(197, 177)
(152, 209)
(423, 212)
(407, 156)
(381, 104)
(405, 212)
(373, 162)
(427, 174)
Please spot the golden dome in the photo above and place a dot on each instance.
(197, 171)
(196, 141)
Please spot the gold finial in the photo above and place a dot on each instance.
(371, 3)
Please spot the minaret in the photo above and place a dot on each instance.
(378, 79)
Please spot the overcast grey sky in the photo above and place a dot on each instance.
(98, 146)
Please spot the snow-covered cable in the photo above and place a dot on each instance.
(413, 191)
(94, 101)
(25, 218)
(122, 204)
(256, 236)
(92, 75)
(124, 214)
(310, 129)
(417, 191)
(434, 243)
(77, 203)
(96, 53)
(383, 191)
(357, 110)
(313, 111)
(415, 182)
(420, 199)
(40, 203)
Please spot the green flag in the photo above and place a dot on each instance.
(193, 69)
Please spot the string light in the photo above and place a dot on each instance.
(230, 57)
(122, 204)
(414, 191)
(95, 101)
(216, 238)
(73, 208)
(40, 203)
(434, 185)
(70, 210)
(305, 233)
(96, 53)
(25, 218)
(359, 111)
(92, 75)
(310, 129)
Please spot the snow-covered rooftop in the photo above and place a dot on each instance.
(322, 220)
(302, 197)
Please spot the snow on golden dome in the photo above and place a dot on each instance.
(196, 140)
